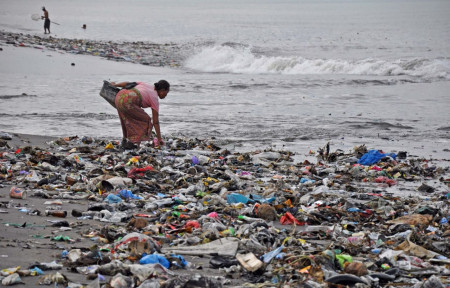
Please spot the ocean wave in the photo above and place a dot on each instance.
(232, 59)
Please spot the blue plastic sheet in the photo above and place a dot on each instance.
(374, 156)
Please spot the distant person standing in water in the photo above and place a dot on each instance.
(46, 22)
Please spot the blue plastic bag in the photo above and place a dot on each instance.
(127, 194)
(373, 156)
(153, 259)
(37, 271)
(111, 198)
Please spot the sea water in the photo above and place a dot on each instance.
(295, 74)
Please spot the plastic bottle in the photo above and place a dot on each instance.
(270, 255)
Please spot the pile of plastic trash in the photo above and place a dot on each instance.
(193, 214)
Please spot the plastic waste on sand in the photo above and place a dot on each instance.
(348, 224)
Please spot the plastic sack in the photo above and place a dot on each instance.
(109, 92)
(11, 280)
(9, 271)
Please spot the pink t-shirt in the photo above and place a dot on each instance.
(149, 96)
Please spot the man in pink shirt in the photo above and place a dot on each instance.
(136, 123)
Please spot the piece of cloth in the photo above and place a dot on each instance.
(136, 123)
(47, 23)
(150, 97)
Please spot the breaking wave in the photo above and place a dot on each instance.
(227, 59)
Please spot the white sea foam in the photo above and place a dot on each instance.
(241, 60)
